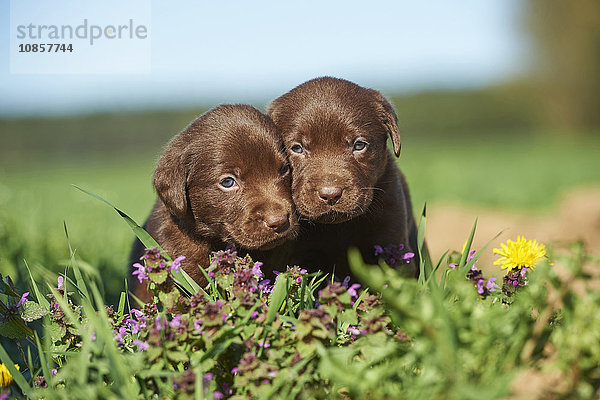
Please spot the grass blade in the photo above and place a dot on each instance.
(43, 361)
(277, 297)
(476, 255)
(73, 264)
(467, 249)
(17, 376)
(42, 301)
(420, 241)
(182, 279)
(122, 301)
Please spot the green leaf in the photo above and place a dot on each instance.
(32, 311)
(177, 356)
(5, 288)
(122, 301)
(349, 317)
(277, 297)
(169, 299)
(14, 330)
(158, 277)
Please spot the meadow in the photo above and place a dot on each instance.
(515, 170)
(510, 172)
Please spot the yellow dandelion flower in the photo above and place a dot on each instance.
(5, 376)
(519, 254)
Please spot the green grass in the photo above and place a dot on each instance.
(35, 201)
(506, 172)
(36, 195)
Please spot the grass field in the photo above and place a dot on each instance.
(36, 195)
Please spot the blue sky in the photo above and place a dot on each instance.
(204, 53)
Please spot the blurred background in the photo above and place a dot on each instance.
(498, 104)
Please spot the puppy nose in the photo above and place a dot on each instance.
(277, 222)
(331, 195)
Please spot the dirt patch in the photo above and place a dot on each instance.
(577, 218)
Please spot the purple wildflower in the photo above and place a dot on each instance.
(491, 285)
(159, 323)
(480, 286)
(235, 370)
(197, 324)
(119, 336)
(352, 290)
(61, 283)
(394, 254)
(256, 269)
(141, 344)
(265, 287)
(207, 377)
(176, 264)
(453, 266)
(218, 395)
(354, 331)
(140, 272)
(254, 315)
(346, 281)
(227, 389)
(176, 322)
(471, 255)
(23, 299)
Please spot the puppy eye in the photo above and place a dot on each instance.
(285, 168)
(359, 145)
(297, 148)
(227, 183)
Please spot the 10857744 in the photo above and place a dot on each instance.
(45, 48)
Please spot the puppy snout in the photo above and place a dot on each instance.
(330, 194)
(277, 222)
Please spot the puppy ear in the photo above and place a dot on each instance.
(170, 178)
(273, 110)
(388, 117)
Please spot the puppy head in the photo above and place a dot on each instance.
(335, 134)
(226, 177)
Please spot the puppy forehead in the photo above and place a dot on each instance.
(327, 100)
(250, 151)
(326, 122)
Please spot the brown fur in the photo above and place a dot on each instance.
(195, 215)
(346, 197)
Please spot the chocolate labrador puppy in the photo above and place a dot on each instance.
(345, 183)
(223, 180)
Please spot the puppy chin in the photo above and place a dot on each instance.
(273, 244)
(333, 217)
(336, 214)
(262, 242)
